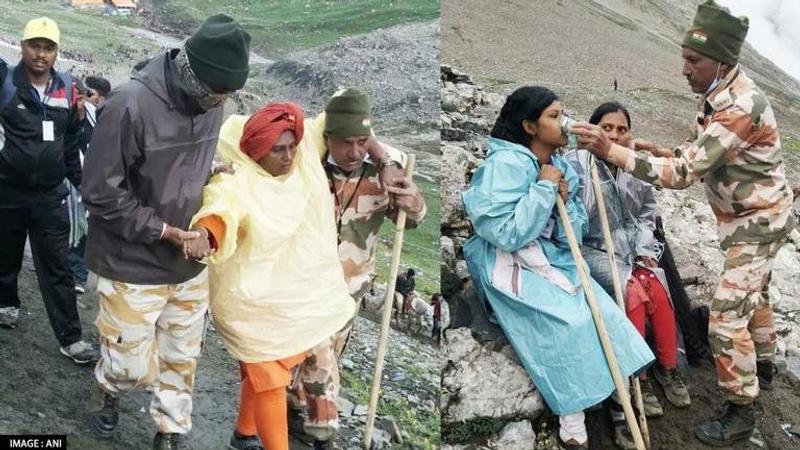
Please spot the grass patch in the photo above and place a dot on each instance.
(791, 144)
(472, 431)
(281, 26)
(421, 426)
(420, 245)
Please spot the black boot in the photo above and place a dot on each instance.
(103, 413)
(167, 441)
(765, 371)
(737, 424)
(241, 442)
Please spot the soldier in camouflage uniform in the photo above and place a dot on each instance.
(155, 143)
(361, 204)
(735, 150)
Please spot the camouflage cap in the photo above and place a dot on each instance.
(716, 33)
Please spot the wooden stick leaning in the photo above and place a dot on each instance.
(602, 333)
(397, 249)
(612, 260)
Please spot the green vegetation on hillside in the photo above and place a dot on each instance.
(276, 26)
(422, 426)
(280, 26)
(420, 245)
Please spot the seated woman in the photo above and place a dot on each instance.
(277, 286)
(631, 210)
(520, 262)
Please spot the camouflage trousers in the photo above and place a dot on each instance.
(315, 387)
(150, 336)
(740, 325)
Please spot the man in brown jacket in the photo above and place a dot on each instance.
(151, 156)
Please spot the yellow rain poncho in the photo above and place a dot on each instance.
(277, 287)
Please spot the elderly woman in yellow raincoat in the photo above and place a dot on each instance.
(277, 287)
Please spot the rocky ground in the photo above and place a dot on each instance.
(488, 400)
(43, 392)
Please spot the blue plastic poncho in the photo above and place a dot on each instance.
(522, 268)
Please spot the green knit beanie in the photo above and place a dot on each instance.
(716, 33)
(347, 114)
(219, 52)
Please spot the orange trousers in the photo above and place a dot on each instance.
(262, 405)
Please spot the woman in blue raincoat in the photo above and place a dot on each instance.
(523, 270)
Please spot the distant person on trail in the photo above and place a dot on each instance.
(735, 150)
(405, 285)
(524, 272)
(436, 302)
(277, 287)
(366, 186)
(38, 151)
(631, 211)
(149, 159)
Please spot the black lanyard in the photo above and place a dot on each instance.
(340, 211)
(42, 102)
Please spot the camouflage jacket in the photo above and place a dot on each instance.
(361, 205)
(736, 151)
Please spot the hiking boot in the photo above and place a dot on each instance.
(103, 413)
(81, 352)
(674, 387)
(9, 316)
(622, 434)
(571, 444)
(736, 424)
(241, 442)
(324, 445)
(765, 371)
(167, 441)
(652, 407)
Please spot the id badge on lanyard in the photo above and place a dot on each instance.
(48, 126)
(48, 131)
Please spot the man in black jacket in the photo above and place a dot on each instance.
(149, 158)
(38, 149)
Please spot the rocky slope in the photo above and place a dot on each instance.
(488, 400)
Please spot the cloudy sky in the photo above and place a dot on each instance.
(774, 30)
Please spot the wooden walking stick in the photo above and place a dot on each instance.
(602, 333)
(612, 260)
(397, 249)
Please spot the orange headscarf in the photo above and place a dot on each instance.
(263, 128)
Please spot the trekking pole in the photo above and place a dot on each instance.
(605, 342)
(397, 249)
(612, 260)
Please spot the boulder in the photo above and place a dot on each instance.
(514, 436)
